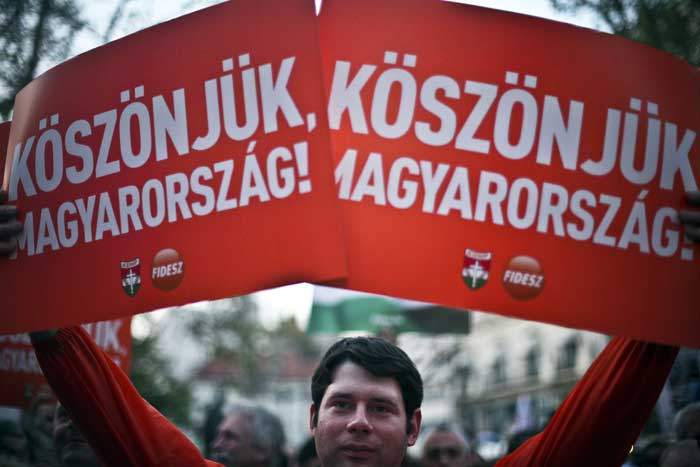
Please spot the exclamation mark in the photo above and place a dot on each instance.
(687, 251)
(301, 153)
(311, 122)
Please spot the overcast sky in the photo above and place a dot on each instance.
(144, 13)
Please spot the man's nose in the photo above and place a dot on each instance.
(360, 422)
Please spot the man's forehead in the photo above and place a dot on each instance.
(350, 379)
(444, 438)
(236, 422)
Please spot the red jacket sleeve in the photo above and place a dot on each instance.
(604, 413)
(123, 429)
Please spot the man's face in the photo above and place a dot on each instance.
(361, 420)
(233, 445)
(444, 449)
(71, 447)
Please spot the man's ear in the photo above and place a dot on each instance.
(313, 418)
(414, 427)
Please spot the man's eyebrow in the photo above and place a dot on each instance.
(374, 400)
(382, 400)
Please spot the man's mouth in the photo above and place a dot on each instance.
(357, 451)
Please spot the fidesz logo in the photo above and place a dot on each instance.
(131, 276)
(523, 278)
(168, 269)
(475, 268)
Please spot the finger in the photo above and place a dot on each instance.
(8, 247)
(10, 229)
(689, 217)
(8, 212)
(692, 233)
(693, 198)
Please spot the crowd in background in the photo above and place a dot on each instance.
(43, 436)
(247, 435)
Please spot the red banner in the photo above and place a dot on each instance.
(483, 160)
(186, 162)
(20, 375)
(500, 162)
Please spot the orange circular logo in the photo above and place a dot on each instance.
(523, 278)
(168, 269)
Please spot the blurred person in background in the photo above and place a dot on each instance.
(682, 454)
(213, 416)
(14, 446)
(446, 446)
(72, 450)
(250, 437)
(38, 425)
(686, 424)
(647, 452)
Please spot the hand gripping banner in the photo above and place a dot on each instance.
(499, 162)
(185, 162)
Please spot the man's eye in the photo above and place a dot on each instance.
(380, 409)
(342, 404)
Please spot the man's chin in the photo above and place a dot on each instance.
(356, 461)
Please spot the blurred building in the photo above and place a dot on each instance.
(505, 376)
(513, 374)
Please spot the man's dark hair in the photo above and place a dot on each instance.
(380, 358)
